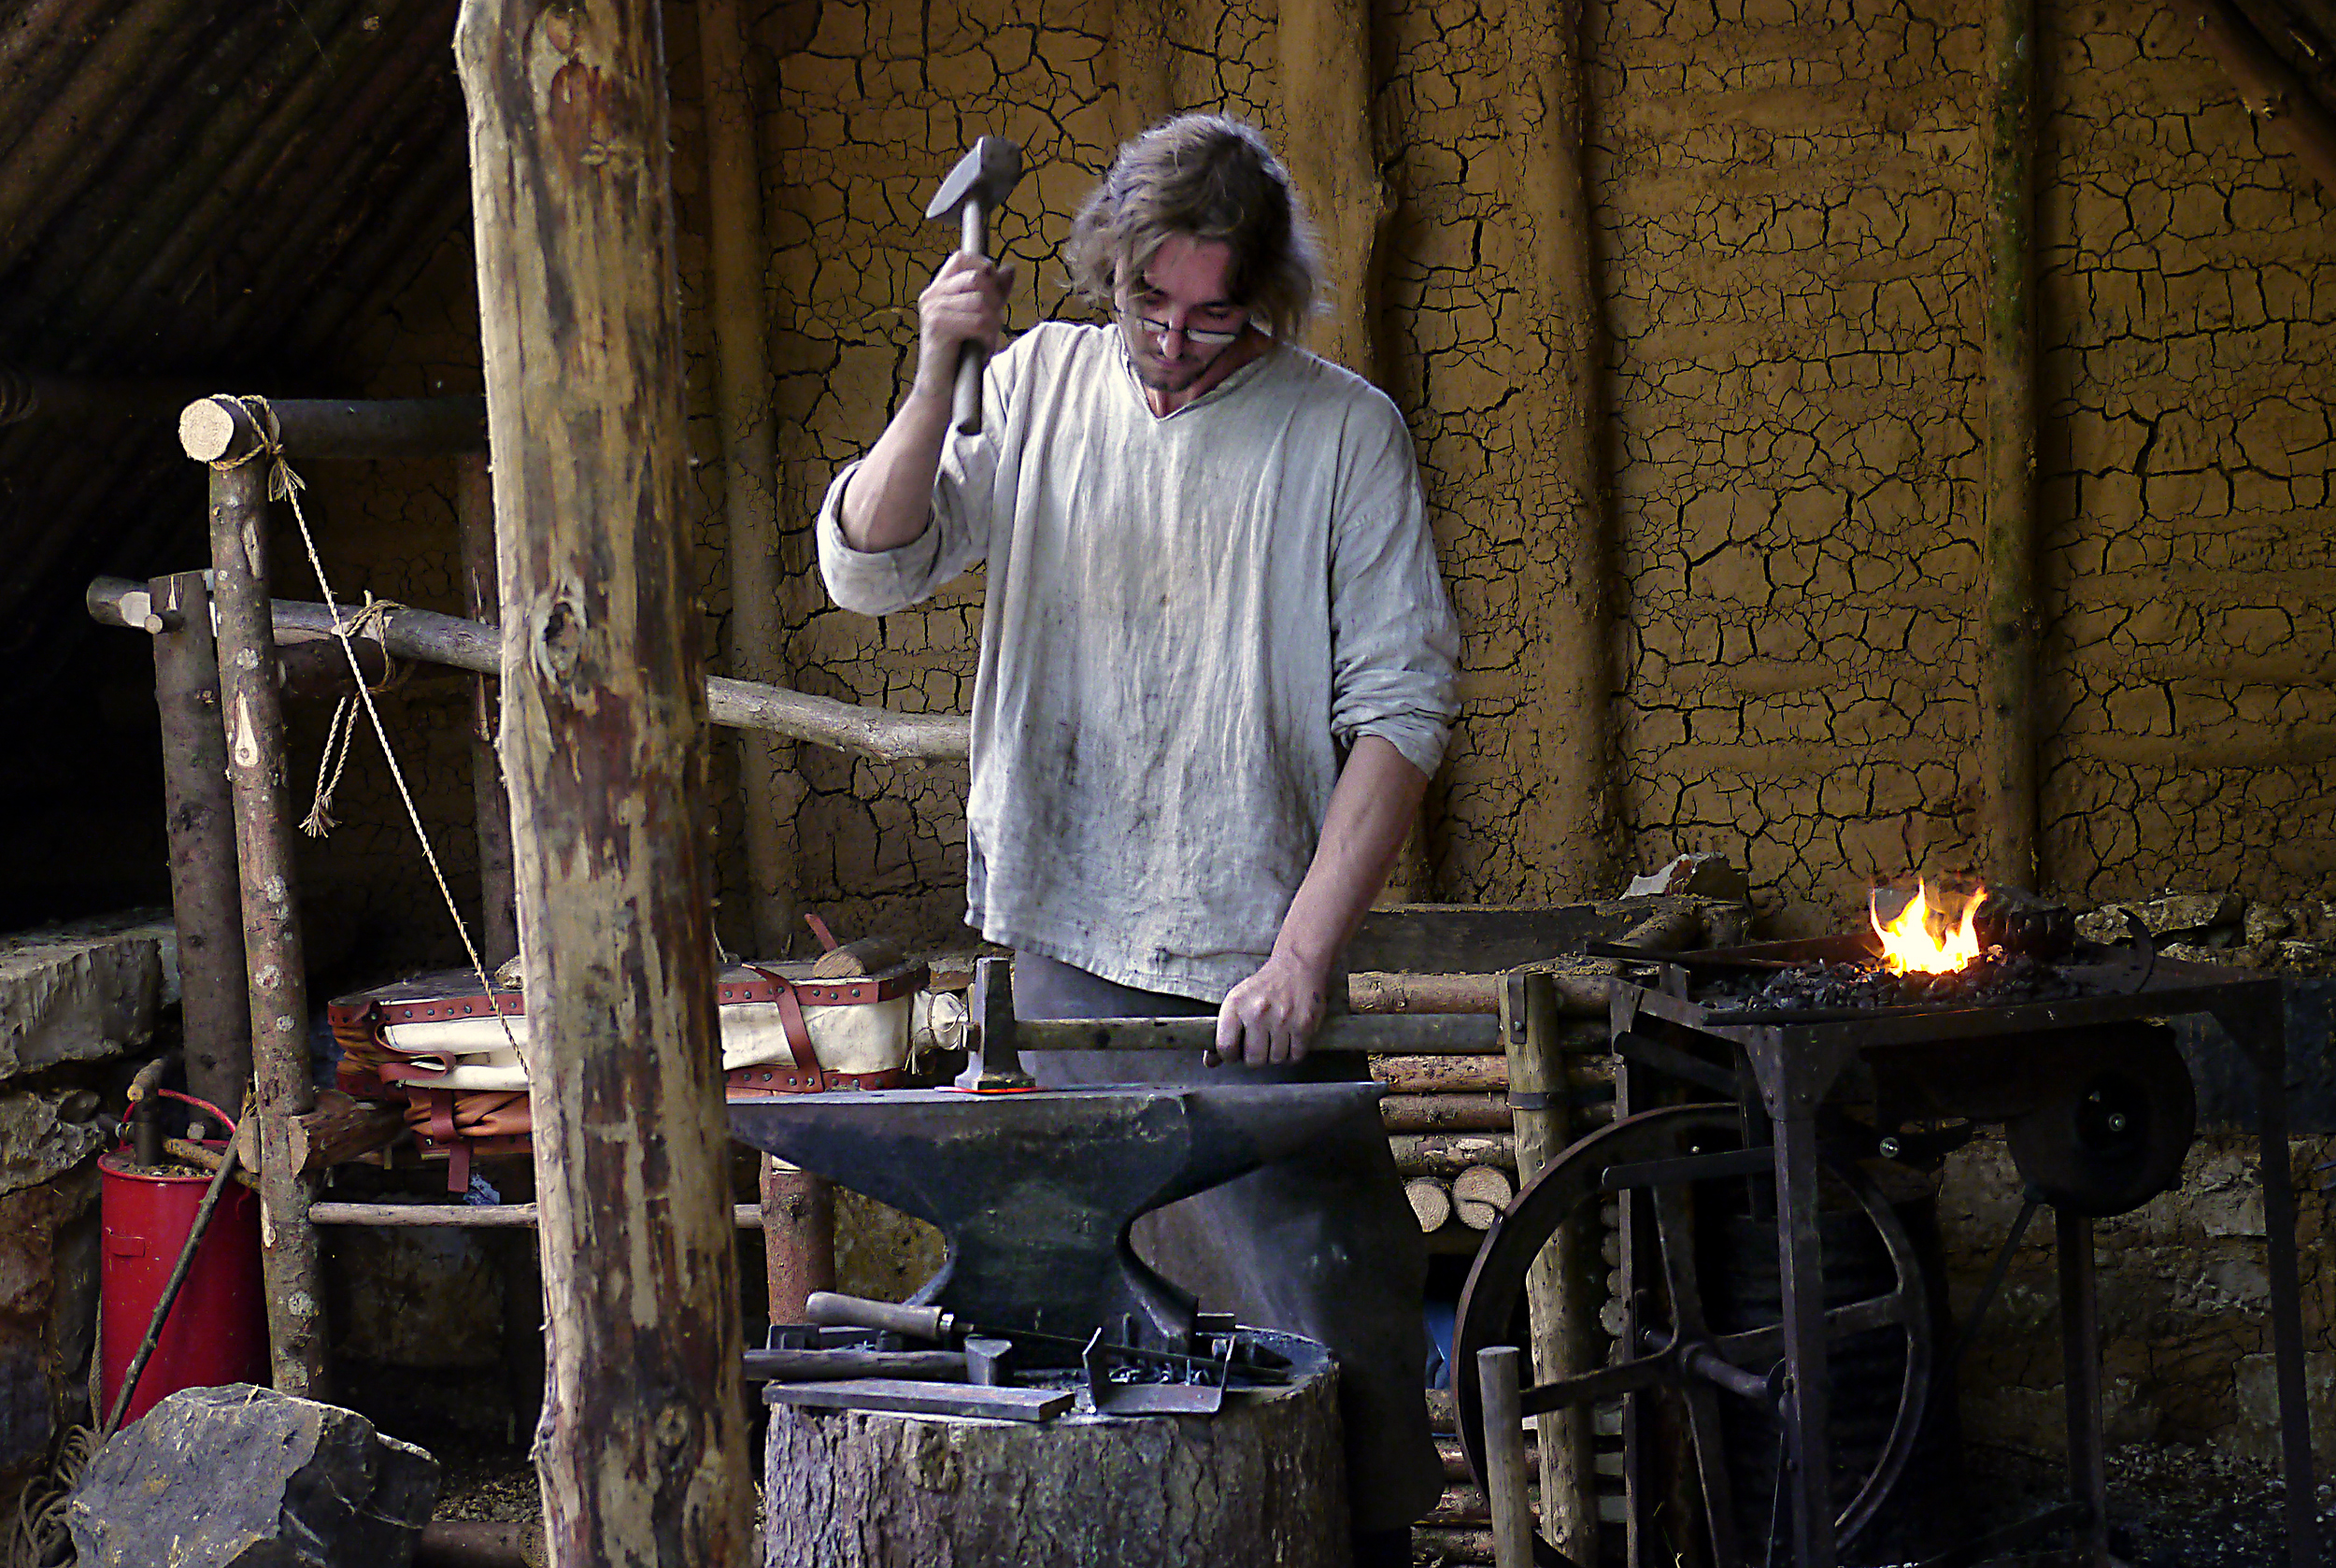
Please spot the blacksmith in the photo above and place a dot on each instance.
(1216, 672)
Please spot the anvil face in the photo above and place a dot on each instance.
(1034, 1192)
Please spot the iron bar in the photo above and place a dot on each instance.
(2080, 1359)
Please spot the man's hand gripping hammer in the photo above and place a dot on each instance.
(976, 187)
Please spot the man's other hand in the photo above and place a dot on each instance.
(1270, 1017)
(965, 303)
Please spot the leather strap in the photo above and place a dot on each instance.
(798, 1032)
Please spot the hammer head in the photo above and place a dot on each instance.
(987, 174)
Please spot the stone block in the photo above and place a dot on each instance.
(82, 994)
(245, 1478)
(2256, 1435)
(1705, 875)
(45, 1134)
(48, 1267)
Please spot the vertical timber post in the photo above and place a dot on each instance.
(199, 817)
(2009, 808)
(798, 1207)
(642, 1445)
(1576, 825)
(1141, 56)
(253, 717)
(491, 804)
(1559, 1315)
(749, 478)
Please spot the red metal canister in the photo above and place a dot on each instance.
(217, 1331)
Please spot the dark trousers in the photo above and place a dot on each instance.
(1323, 1245)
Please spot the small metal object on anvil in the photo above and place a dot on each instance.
(1034, 1192)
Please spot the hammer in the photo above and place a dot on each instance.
(979, 184)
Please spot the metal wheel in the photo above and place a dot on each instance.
(1655, 1154)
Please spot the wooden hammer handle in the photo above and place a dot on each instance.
(855, 1312)
(972, 358)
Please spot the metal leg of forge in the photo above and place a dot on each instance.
(2258, 1020)
(2080, 1363)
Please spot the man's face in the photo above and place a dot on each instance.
(1177, 316)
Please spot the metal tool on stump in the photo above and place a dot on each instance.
(976, 187)
(1035, 1192)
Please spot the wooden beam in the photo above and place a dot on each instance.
(2007, 678)
(199, 817)
(491, 803)
(276, 971)
(390, 427)
(734, 189)
(642, 1447)
(1575, 831)
(429, 637)
(1327, 79)
(2281, 102)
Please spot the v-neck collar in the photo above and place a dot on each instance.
(1231, 383)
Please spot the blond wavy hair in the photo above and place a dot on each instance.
(1206, 178)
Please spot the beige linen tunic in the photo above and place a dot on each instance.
(1188, 620)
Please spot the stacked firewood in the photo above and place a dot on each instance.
(1449, 1125)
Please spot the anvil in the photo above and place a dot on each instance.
(1035, 1192)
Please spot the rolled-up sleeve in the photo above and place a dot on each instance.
(878, 582)
(1394, 643)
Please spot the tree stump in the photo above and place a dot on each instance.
(1261, 1482)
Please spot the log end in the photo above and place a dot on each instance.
(216, 429)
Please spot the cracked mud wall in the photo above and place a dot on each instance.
(1788, 253)
(2190, 302)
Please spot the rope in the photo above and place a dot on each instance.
(340, 736)
(285, 485)
(38, 1537)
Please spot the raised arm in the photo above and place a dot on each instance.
(889, 502)
(1270, 1015)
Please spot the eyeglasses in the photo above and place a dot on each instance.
(1199, 337)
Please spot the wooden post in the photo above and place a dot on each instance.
(798, 1207)
(491, 804)
(1146, 94)
(1558, 1307)
(1576, 833)
(2282, 103)
(199, 816)
(642, 1444)
(254, 720)
(2007, 702)
(1505, 1458)
(1326, 80)
(798, 1237)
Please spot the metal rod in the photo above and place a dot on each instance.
(2263, 1028)
(2002, 1266)
(478, 1216)
(275, 969)
(2080, 1354)
(1801, 1266)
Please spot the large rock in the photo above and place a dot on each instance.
(45, 1134)
(246, 1478)
(2170, 917)
(83, 993)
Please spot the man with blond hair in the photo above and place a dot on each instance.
(1215, 672)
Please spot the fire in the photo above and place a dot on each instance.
(1930, 940)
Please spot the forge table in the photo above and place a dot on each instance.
(1795, 1062)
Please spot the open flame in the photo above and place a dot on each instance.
(1926, 939)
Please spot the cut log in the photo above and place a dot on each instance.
(642, 1441)
(1423, 994)
(1479, 1195)
(1441, 1075)
(1449, 1154)
(1261, 1482)
(1444, 1113)
(1430, 1202)
(337, 1130)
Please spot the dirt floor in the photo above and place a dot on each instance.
(2169, 1507)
